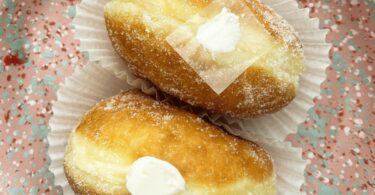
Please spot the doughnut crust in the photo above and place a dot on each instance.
(138, 31)
(121, 129)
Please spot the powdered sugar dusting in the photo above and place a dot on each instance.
(167, 117)
(174, 126)
(109, 105)
(150, 56)
(283, 29)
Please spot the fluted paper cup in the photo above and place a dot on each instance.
(90, 84)
(91, 31)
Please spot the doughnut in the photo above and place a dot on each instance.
(121, 129)
(138, 30)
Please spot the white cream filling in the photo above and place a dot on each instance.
(152, 176)
(220, 34)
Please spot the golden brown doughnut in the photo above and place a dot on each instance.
(119, 130)
(265, 87)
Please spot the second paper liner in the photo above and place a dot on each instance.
(87, 86)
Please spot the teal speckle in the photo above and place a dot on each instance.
(348, 102)
(310, 178)
(339, 67)
(39, 132)
(65, 63)
(6, 95)
(326, 190)
(372, 182)
(328, 92)
(41, 121)
(34, 83)
(24, 107)
(364, 76)
(26, 154)
(8, 139)
(336, 180)
(342, 80)
(14, 113)
(20, 81)
(350, 42)
(49, 80)
(338, 62)
(72, 11)
(13, 106)
(28, 64)
(354, 82)
(16, 191)
(341, 91)
(20, 21)
(58, 42)
(34, 191)
(8, 20)
(361, 162)
(366, 80)
(327, 154)
(10, 154)
(1, 66)
(333, 132)
(22, 120)
(17, 44)
(36, 48)
(372, 4)
(59, 72)
(48, 55)
(320, 122)
(17, 132)
(41, 172)
(311, 133)
(10, 5)
(29, 118)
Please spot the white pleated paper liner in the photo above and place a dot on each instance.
(90, 84)
(91, 31)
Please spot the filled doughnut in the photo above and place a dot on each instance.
(124, 140)
(139, 30)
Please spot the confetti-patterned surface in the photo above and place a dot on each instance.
(37, 52)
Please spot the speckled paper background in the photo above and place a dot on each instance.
(37, 52)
